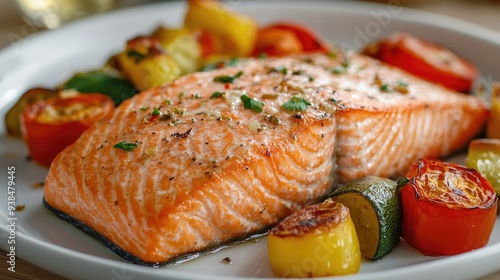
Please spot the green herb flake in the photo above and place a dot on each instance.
(217, 94)
(144, 108)
(227, 79)
(262, 55)
(252, 104)
(220, 64)
(181, 94)
(137, 56)
(296, 104)
(339, 70)
(346, 62)
(168, 102)
(384, 87)
(281, 70)
(126, 146)
(156, 112)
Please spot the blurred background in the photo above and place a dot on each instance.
(22, 18)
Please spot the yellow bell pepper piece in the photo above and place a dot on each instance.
(237, 30)
(493, 126)
(484, 156)
(182, 45)
(319, 240)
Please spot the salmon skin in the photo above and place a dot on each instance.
(218, 155)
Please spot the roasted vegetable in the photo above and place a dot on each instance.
(493, 126)
(235, 32)
(376, 211)
(426, 60)
(484, 156)
(146, 64)
(100, 81)
(276, 42)
(448, 209)
(182, 45)
(49, 126)
(12, 122)
(284, 38)
(319, 240)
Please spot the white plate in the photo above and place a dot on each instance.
(51, 57)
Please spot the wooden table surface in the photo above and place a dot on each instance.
(482, 12)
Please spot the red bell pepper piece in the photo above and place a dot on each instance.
(427, 60)
(49, 126)
(447, 208)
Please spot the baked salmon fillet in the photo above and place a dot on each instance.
(215, 156)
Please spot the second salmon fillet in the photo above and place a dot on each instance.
(214, 156)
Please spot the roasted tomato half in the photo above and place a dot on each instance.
(283, 38)
(427, 60)
(51, 125)
(447, 208)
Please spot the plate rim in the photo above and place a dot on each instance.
(469, 29)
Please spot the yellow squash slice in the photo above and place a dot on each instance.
(319, 240)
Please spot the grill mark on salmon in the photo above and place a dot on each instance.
(204, 177)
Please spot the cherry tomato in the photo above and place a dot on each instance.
(425, 59)
(49, 126)
(274, 42)
(310, 41)
(284, 38)
(447, 208)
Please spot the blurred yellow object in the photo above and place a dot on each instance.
(319, 240)
(53, 13)
(146, 64)
(182, 45)
(484, 156)
(236, 32)
(493, 126)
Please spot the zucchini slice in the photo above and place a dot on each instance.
(376, 211)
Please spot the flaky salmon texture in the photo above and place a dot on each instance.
(206, 170)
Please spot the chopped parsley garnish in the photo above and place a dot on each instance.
(384, 87)
(346, 62)
(126, 146)
(137, 56)
(181, 94)
(217, 94)
(249, 103)
(168, 102)
(296, 104)
(156, 112)
(339, 70)
(281, 70)
(227, 79)
(144, 108)
(220, 64)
